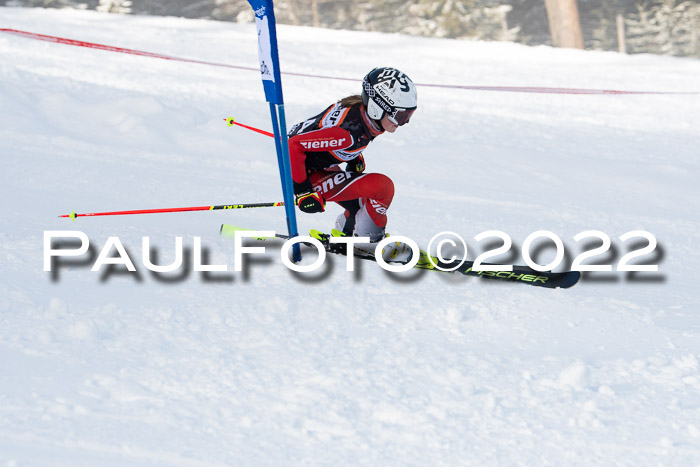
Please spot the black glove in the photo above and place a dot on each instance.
(307, 199)
(311, 202)
(356, 165)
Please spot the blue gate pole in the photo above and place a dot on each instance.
(282, 146)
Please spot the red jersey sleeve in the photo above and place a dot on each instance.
(323, 140)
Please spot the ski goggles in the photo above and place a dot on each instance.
(400, 116)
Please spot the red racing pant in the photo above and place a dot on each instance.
(374, 190)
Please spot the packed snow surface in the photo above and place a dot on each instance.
(270, 367)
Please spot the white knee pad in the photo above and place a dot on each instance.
(365, 226)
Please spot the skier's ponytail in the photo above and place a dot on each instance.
(351, 101)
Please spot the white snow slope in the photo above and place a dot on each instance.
(270, 367)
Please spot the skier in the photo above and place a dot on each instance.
(338, 135)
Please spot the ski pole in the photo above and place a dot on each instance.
(73, 214)
(230, 121)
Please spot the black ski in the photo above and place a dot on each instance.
(519, 274)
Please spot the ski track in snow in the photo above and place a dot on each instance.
(337, 368)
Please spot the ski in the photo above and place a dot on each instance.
(519, 274)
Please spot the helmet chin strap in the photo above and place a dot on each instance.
(375, 126)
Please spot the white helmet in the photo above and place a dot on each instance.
(388, 91)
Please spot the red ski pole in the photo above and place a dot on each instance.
(73, 214)
(230, 121)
